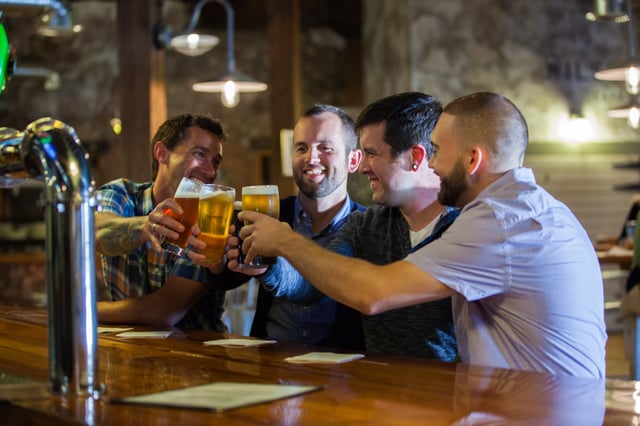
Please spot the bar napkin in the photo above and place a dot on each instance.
(103, 329)
(323, 358)
(144, 334)
(220, 396)
(237, 343)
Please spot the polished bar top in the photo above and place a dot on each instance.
(373, 390)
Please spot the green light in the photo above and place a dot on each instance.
(5, 62)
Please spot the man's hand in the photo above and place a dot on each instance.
(163, 222)
(116, 235)
(234, 252)
(263, 235)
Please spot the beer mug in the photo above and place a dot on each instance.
(264, 199)
(187, 196)
(214, 217)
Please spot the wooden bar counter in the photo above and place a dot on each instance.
(375, 390)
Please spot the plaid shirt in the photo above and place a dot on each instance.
(145, 270)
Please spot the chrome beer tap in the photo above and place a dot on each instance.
(49, 150)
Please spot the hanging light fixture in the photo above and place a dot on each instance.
(629, 73)
(56, 22)
(188, 42)
(608, 10)
(231, 83)
(630, 111)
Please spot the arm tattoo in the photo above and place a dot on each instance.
(116, 235)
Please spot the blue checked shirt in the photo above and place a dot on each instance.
(145, 270)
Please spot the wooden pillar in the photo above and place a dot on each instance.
(285, 88)
(142, 93)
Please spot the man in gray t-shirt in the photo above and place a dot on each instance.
(395, 137)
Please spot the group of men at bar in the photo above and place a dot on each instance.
(462, 257)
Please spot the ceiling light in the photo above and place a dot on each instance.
(193, 44)
(630, 111)
(629, 73)
(608, 10)
(232, 82)
(56, 22)
(188, 42)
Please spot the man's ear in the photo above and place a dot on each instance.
(476, 159)
(160, 152)
(418, 154)
(355, 157)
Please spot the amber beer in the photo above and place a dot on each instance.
(187, 196)
(264, 199)
(214, 216)
(189, 218)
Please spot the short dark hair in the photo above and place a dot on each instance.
(409, 119)
(173, 131)
(348, 126)
(493, 118)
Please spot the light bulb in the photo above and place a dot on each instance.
(576, 129)
(632, 80)
(193, 40)
(230, 96)
(116, 125)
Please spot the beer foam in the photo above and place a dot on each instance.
(260, 190)
(186, 195)
(213, 190)
(188, 188)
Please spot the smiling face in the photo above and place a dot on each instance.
(197, 156)
(320, 161)
(387, 175)
(448, 164)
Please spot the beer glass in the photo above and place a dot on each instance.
(187, 195)
(264, 199)
(214, 216)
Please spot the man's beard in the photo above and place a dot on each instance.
(312, 190)
(453, 185)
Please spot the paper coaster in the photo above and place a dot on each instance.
(323, 358)
(237, 343)
(144, 334)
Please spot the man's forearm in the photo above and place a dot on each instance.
(339, 277)
(283, 280)
(133, 311)
(364, 286)
(116, 235)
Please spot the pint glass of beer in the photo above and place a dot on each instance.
(214, 216)
(263, 199)
(188, 196)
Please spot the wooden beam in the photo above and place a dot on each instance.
(285, 89)
(141, 90)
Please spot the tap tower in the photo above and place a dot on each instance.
(50, 151)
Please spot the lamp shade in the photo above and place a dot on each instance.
(630, 111)
(630, 74)
(193, 44)
(243, 82)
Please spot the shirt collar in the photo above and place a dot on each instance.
(302, 218)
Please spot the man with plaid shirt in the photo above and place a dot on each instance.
(148, 285)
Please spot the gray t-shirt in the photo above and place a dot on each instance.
(381, 235)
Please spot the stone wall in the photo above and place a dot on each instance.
(542, 55)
